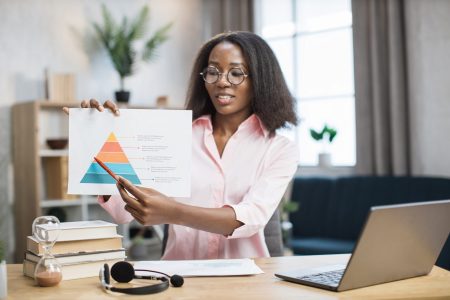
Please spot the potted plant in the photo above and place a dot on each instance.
(3, 273)
(326, 136)
(119, 39)
(287, 207)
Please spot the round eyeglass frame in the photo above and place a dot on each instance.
(219, 76)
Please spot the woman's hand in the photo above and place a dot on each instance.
(95, 104)
(150, 207)
(147, 206)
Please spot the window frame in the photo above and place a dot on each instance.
(294, 36)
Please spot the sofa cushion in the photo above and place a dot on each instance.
(338, 207)
(313, 196)
(353, 197)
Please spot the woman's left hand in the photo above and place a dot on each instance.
(147, 206)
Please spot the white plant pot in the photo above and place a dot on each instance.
(324, 160)
(3, 281)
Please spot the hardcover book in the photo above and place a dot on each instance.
(73, 271)
(71, 258)
(77, 246)
(81, 230)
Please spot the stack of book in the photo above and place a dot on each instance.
(81, 248)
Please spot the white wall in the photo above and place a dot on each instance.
(428, 46)
(58, 35)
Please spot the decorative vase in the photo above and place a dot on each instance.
(324, 160)
(122, 96)
(3, 281)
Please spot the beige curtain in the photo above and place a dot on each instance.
(381, 87)
(226, 15)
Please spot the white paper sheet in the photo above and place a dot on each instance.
(152, 148)
(193, 268)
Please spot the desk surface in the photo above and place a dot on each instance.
(263, 286)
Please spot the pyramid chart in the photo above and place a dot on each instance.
(114, 158)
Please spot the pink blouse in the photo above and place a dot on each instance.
(251, 177)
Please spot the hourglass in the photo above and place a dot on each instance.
(48, 270)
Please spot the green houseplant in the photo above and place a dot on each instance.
(326, 137)
(119, 41)
(287, 206)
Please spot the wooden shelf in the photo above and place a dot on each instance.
(32, 123)
(56, 104)
(59, 203)
(88, 200)
(53, 153)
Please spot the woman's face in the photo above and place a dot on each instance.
(229, 99)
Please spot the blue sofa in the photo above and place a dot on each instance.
(333, 210)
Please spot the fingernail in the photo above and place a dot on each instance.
(101, 108)
(117, 112)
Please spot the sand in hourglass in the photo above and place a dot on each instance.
(48, 278)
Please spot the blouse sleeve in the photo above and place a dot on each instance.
(115, 206)
(258, 205)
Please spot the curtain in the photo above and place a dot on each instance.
(226, 15)
(381, 88)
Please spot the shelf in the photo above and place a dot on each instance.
(53, 153)
(57, 104)
(89, 200)
(32, 124)
(58, 203)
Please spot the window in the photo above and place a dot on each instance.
(314, 46)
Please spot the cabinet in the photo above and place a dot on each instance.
(32, 124)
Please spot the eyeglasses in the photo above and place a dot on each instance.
(235, 75)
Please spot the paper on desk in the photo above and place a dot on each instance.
(192, 268)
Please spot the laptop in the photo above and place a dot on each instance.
(397, 242)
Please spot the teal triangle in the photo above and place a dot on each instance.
(96, 174)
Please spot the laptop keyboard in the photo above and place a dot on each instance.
(331, 278)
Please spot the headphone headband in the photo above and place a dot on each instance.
(123, 271)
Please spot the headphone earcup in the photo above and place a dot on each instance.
(106, 274)
(176, 280)
(122, 271)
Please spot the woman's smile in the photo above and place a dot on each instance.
(224, 99)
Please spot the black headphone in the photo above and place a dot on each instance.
(123, 271)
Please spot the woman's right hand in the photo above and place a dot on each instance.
(95, 104)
